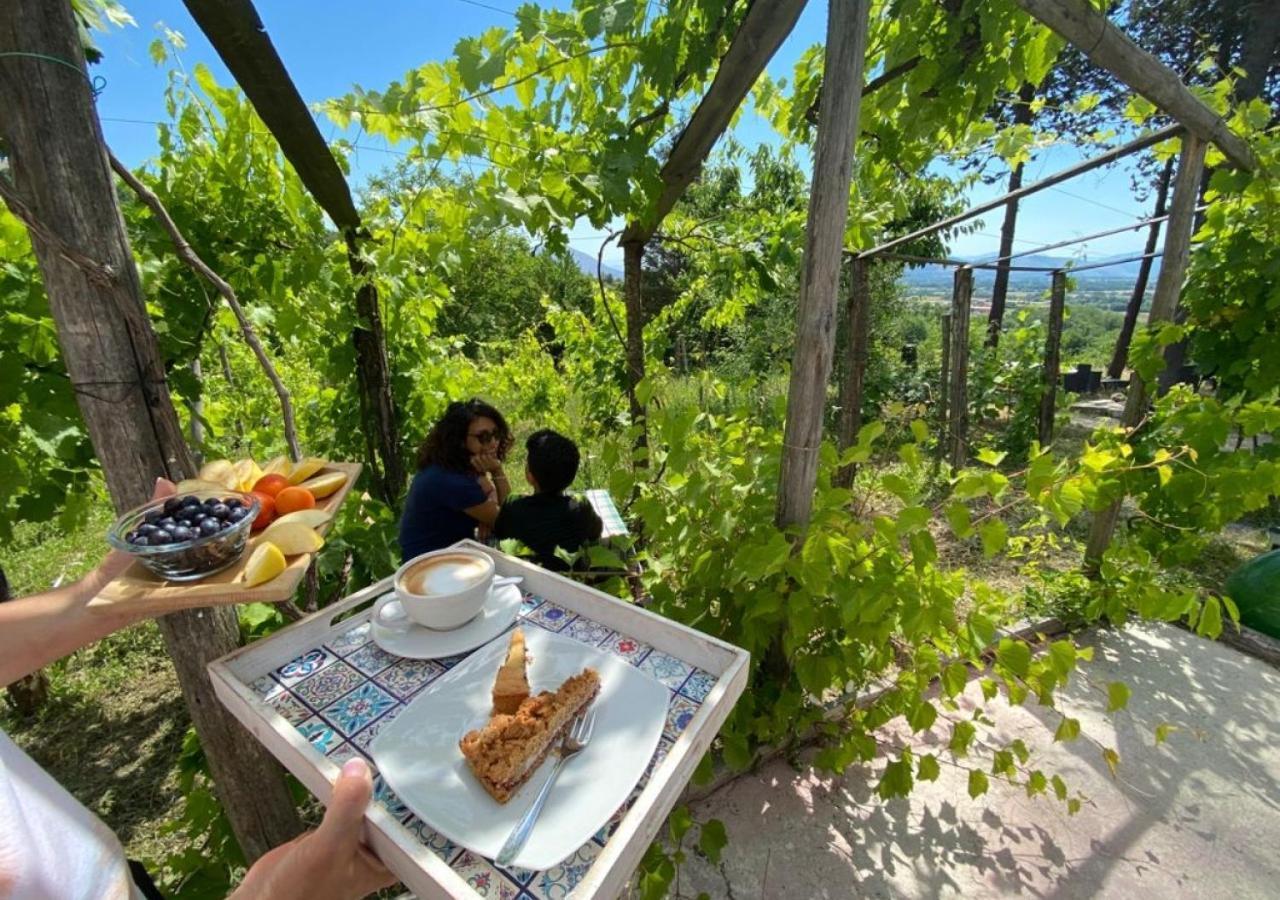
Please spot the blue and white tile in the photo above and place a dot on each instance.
(267, 688)
(529, 603)
(328, 684)
(550, 616)
(359, 708)
(433, 840)
(559, 881)
(484, 879)
(289, 706)
(343, 752)
(371, 659)
(698, 685)
(680, 713)
(659, 755)
(630, 649)
(323, 736)
(385, 797)
(587, 631)
(365, 737)
(666, 668)
(350, 640)
(408, 676)
(305, 666)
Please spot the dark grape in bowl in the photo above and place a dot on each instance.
(189, 536)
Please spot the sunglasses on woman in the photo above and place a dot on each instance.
(485, 437)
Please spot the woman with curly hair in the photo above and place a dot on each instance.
(460, 482)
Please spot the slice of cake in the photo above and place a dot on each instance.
(505, 752)
(512, 685)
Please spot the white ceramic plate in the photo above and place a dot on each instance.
(498, 612)
(418, 753)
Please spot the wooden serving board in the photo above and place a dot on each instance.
(138, 590)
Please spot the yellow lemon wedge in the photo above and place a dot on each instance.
(323, 485)
(265, 563)
(312, 518)
(306, 468)
(221, 472)
(293, 538)
(247, 474)
(278, 466)
(188, 485)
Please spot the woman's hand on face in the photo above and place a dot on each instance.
(486, 462)
(330, 863)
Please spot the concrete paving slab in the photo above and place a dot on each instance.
(1198, 816)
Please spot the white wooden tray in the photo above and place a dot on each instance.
(317, 693)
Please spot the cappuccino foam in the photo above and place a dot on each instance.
(444, 575)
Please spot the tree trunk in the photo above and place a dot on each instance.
(958, 389)
(632, 256)
(999, 290)
(944, 389)
(847, 23)
(1052, 357)
(241, 40)
(59, 169)
(1164, 304)
(1261, 45)
(857, 314)
(1120, 357)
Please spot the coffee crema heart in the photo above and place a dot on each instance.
(443, 575)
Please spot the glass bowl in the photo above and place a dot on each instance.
(197, 557)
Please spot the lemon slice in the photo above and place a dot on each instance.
(278, 466)
(324, 485)
(265, 563)
(293, 538)
(247, 474)
(312, 518)
(305, 469)
(221, 471)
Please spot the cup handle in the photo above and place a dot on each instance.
(391, 620)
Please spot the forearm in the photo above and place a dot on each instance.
(501, 485)
(38, 630)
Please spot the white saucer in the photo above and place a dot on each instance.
(499, 611)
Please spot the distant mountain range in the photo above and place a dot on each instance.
(587, 263)
(934, 276)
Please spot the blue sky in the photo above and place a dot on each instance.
(328, 46)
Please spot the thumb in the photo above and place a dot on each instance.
(351, 794)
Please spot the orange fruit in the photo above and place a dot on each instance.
(270, 484)
(292, 499)
(266, 513)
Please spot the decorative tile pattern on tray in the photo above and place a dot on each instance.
(341, 695)
(359, 708)
(371, 659)
(408, 676)
(484, 879)
(328, 684)
(304, 666)
(666, 668)
(350, 640)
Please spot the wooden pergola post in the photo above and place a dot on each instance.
(847, 24)
(944, 388)
(1164, 304)
(857, 315)
(1052, 356)
(958, 376)
(60, 178)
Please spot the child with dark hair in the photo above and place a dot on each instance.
(549, 518)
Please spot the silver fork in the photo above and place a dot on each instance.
(577, 737)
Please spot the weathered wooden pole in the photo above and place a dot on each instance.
(1120, 356)
(1052, 356)
(1022, 115)
(958, 388)
(1164, 303)
(944, 389)
(857, 315)
(59, 169)
(847, 23)
(1081, 23)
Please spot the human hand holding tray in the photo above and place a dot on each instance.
(418, 753)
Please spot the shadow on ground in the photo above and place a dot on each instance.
(1199, 815)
